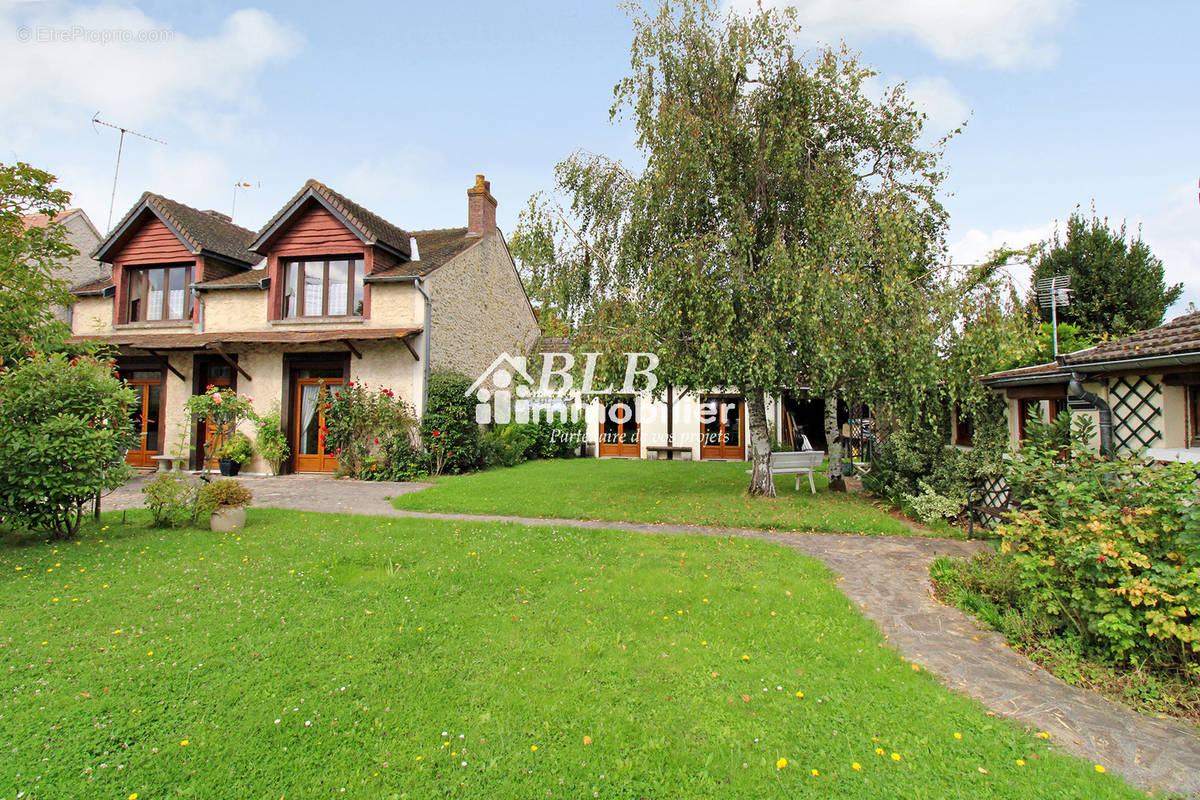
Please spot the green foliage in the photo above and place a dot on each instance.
(915, 469)
(222, 409)
(1109, 548)
(271, 441)
(222, 493)
(448, 428)
(1116, 285)
(66, 429)
(372, 432)
(1070, 338)
(783, 210)
(28, 258)
(172, 499)
(237, 448)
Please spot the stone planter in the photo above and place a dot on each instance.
(228, 519)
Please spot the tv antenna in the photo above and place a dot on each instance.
(1054, 292)
(120, 146)
(241, 185)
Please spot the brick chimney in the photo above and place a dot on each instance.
(481, 208)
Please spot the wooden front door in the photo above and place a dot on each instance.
(146, 413)
(722, 428)
(308, 443)
(620, 430)
(222, 376)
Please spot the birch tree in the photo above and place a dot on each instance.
(781, 229)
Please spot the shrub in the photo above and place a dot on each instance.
(271, 441)
(1110, 548)
(237, 448)
(507, 445)
(66, 429)
(223, 493)
(448, 429)
(171, 499)
(372, 433)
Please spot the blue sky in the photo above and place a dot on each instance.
(398, 105)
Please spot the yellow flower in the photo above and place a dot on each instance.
(1020, 762)
(183, 743)
(781, 763)
(533, 748)
(878, 751)
(895, 756)
(133, 796)
(745, 658)
(1100, 769)
(856, 766)
(815, 773)
(957, 735)
(1043, 735)
(800, 695)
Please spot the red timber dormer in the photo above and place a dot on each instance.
(159, 249)
(321, 248)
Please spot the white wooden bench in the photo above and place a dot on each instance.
(799, 462)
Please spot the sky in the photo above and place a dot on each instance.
(398, 105)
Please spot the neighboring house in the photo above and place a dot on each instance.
(325, 293)
(82, 235)
(1150, 381)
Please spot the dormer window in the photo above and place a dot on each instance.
(159, 293)
(331, 287)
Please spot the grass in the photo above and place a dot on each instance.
(688, 493)
(987, 587)
(312, 654)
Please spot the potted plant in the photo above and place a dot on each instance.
(224, 501)
(236, 451)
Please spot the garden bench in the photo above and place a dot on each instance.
(169, 463)
(799, 462)
(660, 452)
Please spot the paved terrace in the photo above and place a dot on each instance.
(887, 577)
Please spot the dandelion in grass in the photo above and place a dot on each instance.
(781, 763)
(957, 735)
(533, 748)
(1020, 762)
(857, 767)
(895, 756)
(1100, 769)
(878, 751)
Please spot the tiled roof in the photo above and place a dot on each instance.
(435, 248)
(251, 279)
(202, 231)
(1180, 335)
(92, 287)
(195, 341)
(368, 224)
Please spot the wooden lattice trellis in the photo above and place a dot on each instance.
(991, 493)
(1136, 408)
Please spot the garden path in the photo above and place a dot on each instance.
(887, 577)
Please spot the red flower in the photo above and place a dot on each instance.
(1101, 558)
(377, 440)
(437, 433)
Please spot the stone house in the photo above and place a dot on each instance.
(324, 293)
(82, 235)
(1146, 384)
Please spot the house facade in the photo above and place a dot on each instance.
(82, 235)
(326, 292)
(1148, 384)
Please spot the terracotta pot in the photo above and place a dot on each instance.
(228, 519)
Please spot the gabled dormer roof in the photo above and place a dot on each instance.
(369, 227)
(201, 232)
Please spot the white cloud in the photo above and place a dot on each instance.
(65, 62)
(999, 33)
(1171, 233)
(976, 245)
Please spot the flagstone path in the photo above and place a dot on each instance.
(887, 577)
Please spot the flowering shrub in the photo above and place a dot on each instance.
(1109, 549)
(66, 429)
(372, 433)
(222, 409)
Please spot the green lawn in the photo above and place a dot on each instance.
(313, 654)
(688, 493)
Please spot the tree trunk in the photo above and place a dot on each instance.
(760, 445)
(833, 440)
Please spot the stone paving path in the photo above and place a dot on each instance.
(887, 577)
